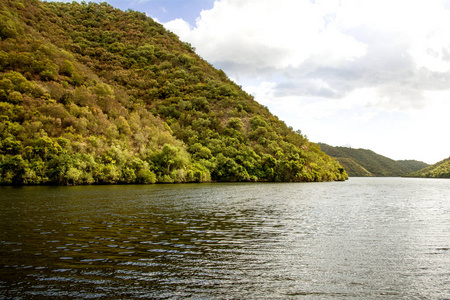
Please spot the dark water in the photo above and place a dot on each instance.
(377, 238)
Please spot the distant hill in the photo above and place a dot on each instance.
(438, 170)
(90, 94)
(363, 163)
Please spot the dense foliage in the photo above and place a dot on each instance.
(90, 94)
(438, 170)
(366, 163)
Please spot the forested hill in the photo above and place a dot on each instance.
(438, 170)
(366, 163)
(90, 94)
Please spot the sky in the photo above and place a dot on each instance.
(355, 73)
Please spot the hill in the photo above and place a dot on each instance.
(438, 170)
(363, 163)
(90, 94)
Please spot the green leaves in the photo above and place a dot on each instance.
(9, 27)
(90, 94)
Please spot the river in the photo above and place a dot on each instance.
(366, 238)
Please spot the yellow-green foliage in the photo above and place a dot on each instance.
(438, 170)
(90, 94)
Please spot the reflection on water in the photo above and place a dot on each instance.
(364, 238)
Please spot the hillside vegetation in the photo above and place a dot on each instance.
(366, 163)
(90, 94)
(438, 170)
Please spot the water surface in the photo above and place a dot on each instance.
(367, 238)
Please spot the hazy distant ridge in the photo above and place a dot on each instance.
(366, 163)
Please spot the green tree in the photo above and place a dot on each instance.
(169, 158)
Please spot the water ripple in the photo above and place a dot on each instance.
(362, 239)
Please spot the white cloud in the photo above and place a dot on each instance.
(361, 72)
(180, 27)
(433, 52)
(269, 34)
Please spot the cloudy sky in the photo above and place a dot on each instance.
(358, 73)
